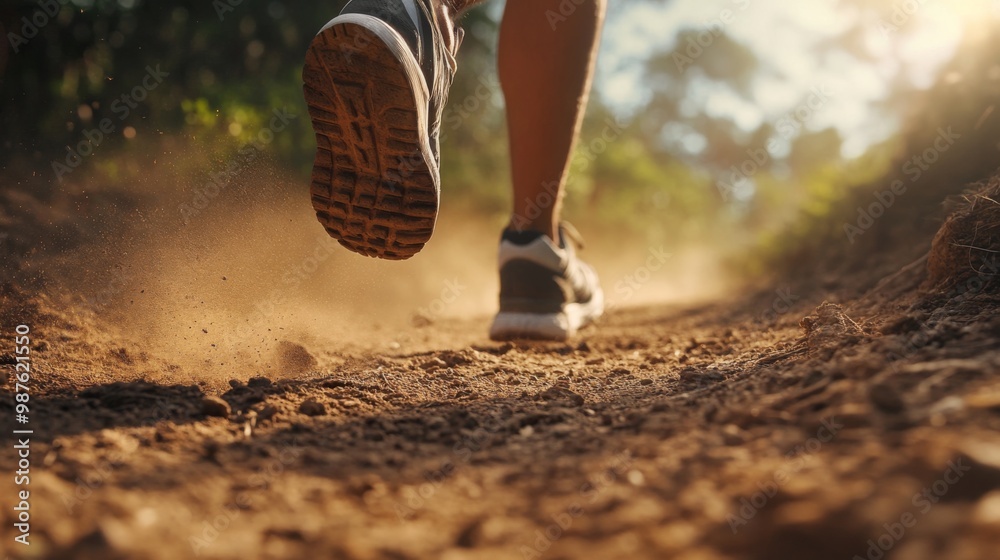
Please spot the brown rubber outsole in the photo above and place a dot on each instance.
(373, 185)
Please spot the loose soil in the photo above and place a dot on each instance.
(840, 418)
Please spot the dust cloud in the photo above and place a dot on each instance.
(249, 283)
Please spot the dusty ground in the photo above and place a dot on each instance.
(765, 426)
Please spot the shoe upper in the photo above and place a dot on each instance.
(434, 40)
(538, 276)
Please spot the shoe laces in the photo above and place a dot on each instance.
(572, 234)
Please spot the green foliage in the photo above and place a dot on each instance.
(227, 69)
(654, 172)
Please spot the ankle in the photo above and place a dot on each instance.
(547, 228)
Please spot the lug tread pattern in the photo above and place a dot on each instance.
(372, 188)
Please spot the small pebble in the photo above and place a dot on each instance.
(262, 382)
(214, 406)
(312, 407)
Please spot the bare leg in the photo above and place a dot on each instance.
(546, 67)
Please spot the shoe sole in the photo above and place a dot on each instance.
(374, 186)
(560, 326)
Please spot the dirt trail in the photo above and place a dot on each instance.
(852, 419)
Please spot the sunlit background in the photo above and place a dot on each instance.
(742, 132)
(862, 52)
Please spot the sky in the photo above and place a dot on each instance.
(782, 33)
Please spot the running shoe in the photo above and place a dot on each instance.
(546, 291)
(376, 79)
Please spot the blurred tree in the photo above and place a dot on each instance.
(228, 65)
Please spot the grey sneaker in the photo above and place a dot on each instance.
(376, 80)
(546, 291)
